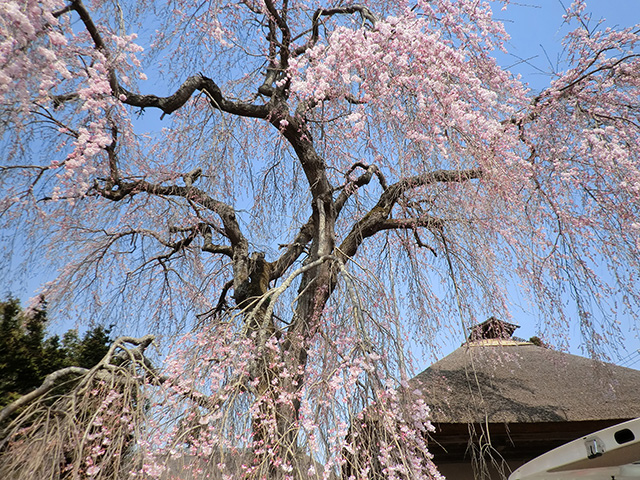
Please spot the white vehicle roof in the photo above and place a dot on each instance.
(609, 454)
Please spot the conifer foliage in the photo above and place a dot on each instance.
(28, 355)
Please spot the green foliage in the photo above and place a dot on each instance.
(27, 355)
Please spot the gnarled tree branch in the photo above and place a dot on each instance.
(362, 180)
(168, 104)
(377, 219)
(107, 363)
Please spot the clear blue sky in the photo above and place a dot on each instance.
(536, 27)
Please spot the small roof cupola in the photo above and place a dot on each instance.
(492, 329)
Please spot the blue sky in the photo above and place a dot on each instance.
(536, 29)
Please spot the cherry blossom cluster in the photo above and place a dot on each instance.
(30, 46)
(410, 73)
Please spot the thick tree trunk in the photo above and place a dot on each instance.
(279, 378)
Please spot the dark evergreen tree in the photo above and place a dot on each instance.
(21, 350)
(27, 355)
(93, 347)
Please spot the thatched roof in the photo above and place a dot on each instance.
(509, 381)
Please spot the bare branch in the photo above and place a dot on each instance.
(610, 66)
(196, 82)
(54, 379)
(84, 15)
(217, 249)
(168, 104)
(314, 166)
(225, 212)
(51, 380)
(362, 180)
(410, 223)
(377, 219)
(294, 249)
(281, 22)
(392, 194)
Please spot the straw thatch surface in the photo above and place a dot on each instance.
(506, 381)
